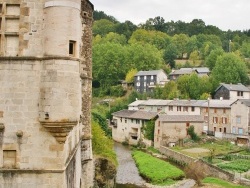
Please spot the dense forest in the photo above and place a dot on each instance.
(122, 49)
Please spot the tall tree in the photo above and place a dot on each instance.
(229, 68)
(103, 27)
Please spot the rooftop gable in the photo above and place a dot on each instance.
(150, 72)
(233, 87)
(135, 114)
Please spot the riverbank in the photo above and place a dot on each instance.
(128, 175)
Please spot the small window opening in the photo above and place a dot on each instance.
(72, 47)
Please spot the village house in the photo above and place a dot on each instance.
(200, 71)
(184, 107)
(154, 105)
(127, 125)
(170, 129)
(232, 92)
(217, 115)
(146, 81)
(240, 120)
(135, 105)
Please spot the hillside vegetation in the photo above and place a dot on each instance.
(121, 48)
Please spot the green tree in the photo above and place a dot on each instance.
(108, 68)
(130, 75)
(159, 39)
(103, 27)
(211, 59)
(245, 49)
(170, 54)
(126, 28)
(143, 57)
(229, 68)
(148, 130)
(181, 41)
(195, 58)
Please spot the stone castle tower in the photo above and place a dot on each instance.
(45, 93)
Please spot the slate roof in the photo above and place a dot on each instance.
(151, 72)
(234, 87)
(181, 72)
(137, 102)
(244, 101)
(190, 70)
(180, 118)
(135, 114)
(155, 102)
(216, 103)
(187, 103)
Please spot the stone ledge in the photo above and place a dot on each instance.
(29, 171)
(33, 58)
(59, 129)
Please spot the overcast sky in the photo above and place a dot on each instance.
(224, 14)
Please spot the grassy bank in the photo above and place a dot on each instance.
(155, 170)
(221, 183)
(102, 145)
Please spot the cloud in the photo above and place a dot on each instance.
(225, 14)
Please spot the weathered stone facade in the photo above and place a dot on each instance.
(45, 95)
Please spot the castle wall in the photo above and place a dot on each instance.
(43, 118)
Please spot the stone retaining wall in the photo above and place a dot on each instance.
(208, 169)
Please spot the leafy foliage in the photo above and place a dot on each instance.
(148, 129)
(240, 165)
(192, 134)
(102, 122)
(230, 68)
(130, 75)
(102, 145)
(156, 170)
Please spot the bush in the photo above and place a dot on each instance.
(117, 91)
(192, 134)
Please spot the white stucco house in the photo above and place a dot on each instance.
(127, 124)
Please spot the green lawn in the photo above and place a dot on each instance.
(221, 183)
(156, 170)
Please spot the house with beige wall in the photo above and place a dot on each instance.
(184, 107)
(240, 119)
(170, 129)
(154, 105)
(217, 115)
(127, 125)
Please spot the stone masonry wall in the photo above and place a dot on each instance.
(209, 170)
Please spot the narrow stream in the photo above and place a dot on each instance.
(127, 173)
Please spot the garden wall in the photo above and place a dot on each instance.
(208, 169)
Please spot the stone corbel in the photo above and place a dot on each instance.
(2, 127)
(59, 129)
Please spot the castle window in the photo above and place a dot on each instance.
(72, 49)
(9, 158)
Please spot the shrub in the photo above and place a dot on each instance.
(192, 134)
(117, 91)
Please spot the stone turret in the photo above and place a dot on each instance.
(45, 96)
